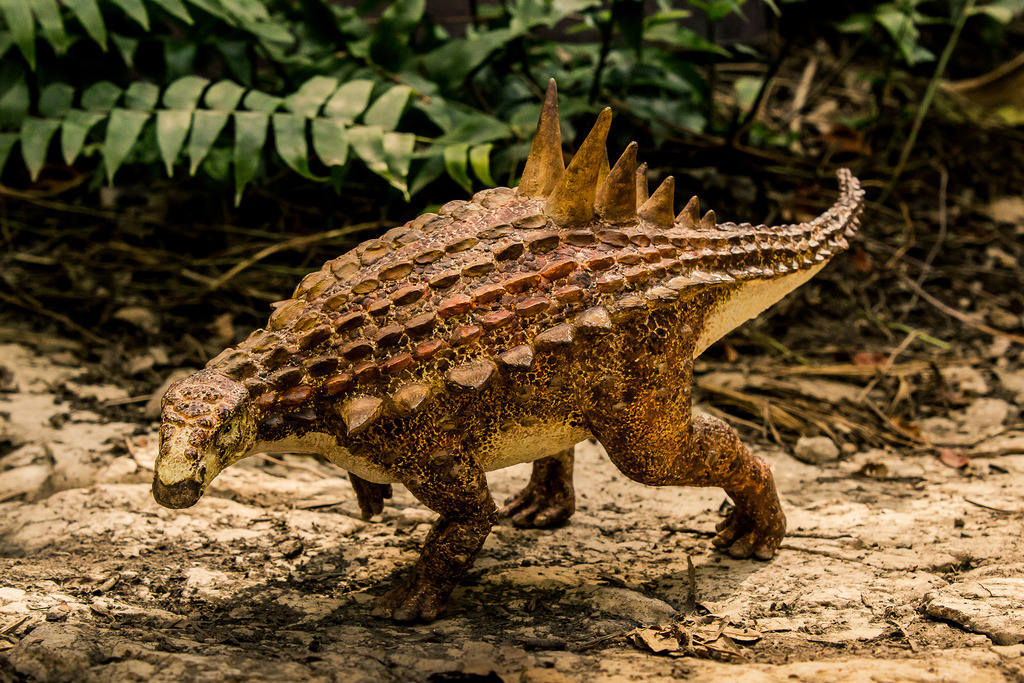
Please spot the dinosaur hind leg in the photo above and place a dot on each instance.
(549, 499)
(640, 411)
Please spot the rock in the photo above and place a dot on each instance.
(965, 378)
(290, 549)
(816, 450)
(993, 606)
(140, 317)
(205, 583)
(97, 392)
(29, 454)
(538, 675)
(985, 414)
(1002, 319)
(1013, 381)
(28, 481)
(54, 652)
(7, 383)
(628, 604)
(121, 470)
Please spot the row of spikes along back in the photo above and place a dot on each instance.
(619, 196)
(588, 186)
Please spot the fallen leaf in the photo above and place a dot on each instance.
(954, 459)
(861, 260)
(869, 358)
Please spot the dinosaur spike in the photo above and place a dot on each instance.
(571, 204)
(603, 169)
(708, 222)
(658, 209)
(616, 197)
(642, 192)
(689, 217)
(359, 412)
(544, 165)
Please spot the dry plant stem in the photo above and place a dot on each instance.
(294, 243)
(883, 370)
(1004, 511)
(29, 303)
(294, 466)
(929, 95)
(937, 245)
(959, 315)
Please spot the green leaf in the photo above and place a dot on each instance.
(431, 170)
(456, 163)
(307, 100)
(18, 16)
(48, 15)
(123, 129)
(236, 56)
(480, 160)
(74, 130)
(250, 136)
(88, 14)
(217, 164)
(290, 139)
(136, 10)
(223, 95)
(398, 150)
(386, 154)
(388, 108)
(14, 96)
(141, 95)
(349, 100)
(184, 93)
(628, 15)
(35, 141)
(101, 96)
(261, 101)
(206, 126)
(368, 143)
(55, 100)
(127, 47)
(179, 57)
(172, 126)
(389, 45)
(214, 8)
(176, 9)
(329, 141)
(7, 141)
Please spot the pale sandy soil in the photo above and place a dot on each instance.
(913, 574)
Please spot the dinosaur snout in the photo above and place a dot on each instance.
(181, 494)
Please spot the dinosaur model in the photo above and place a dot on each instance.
(502, 330)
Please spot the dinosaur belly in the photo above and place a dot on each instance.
(526, 444)
(746, 301)
(499, 450)
(318, 443)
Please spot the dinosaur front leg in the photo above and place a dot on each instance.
(549, 499)
(369, 495)
(455, 487)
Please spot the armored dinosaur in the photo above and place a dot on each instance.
(502, 330)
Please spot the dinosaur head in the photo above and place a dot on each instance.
(207, 424)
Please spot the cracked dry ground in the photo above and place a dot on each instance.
(914, 574)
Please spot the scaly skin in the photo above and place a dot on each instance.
(501, 330)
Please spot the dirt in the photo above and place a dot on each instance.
(898, 566)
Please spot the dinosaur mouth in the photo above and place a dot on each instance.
(182, 494)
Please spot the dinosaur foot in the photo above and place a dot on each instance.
(415, 599)
(539, 507)
(745, 534)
